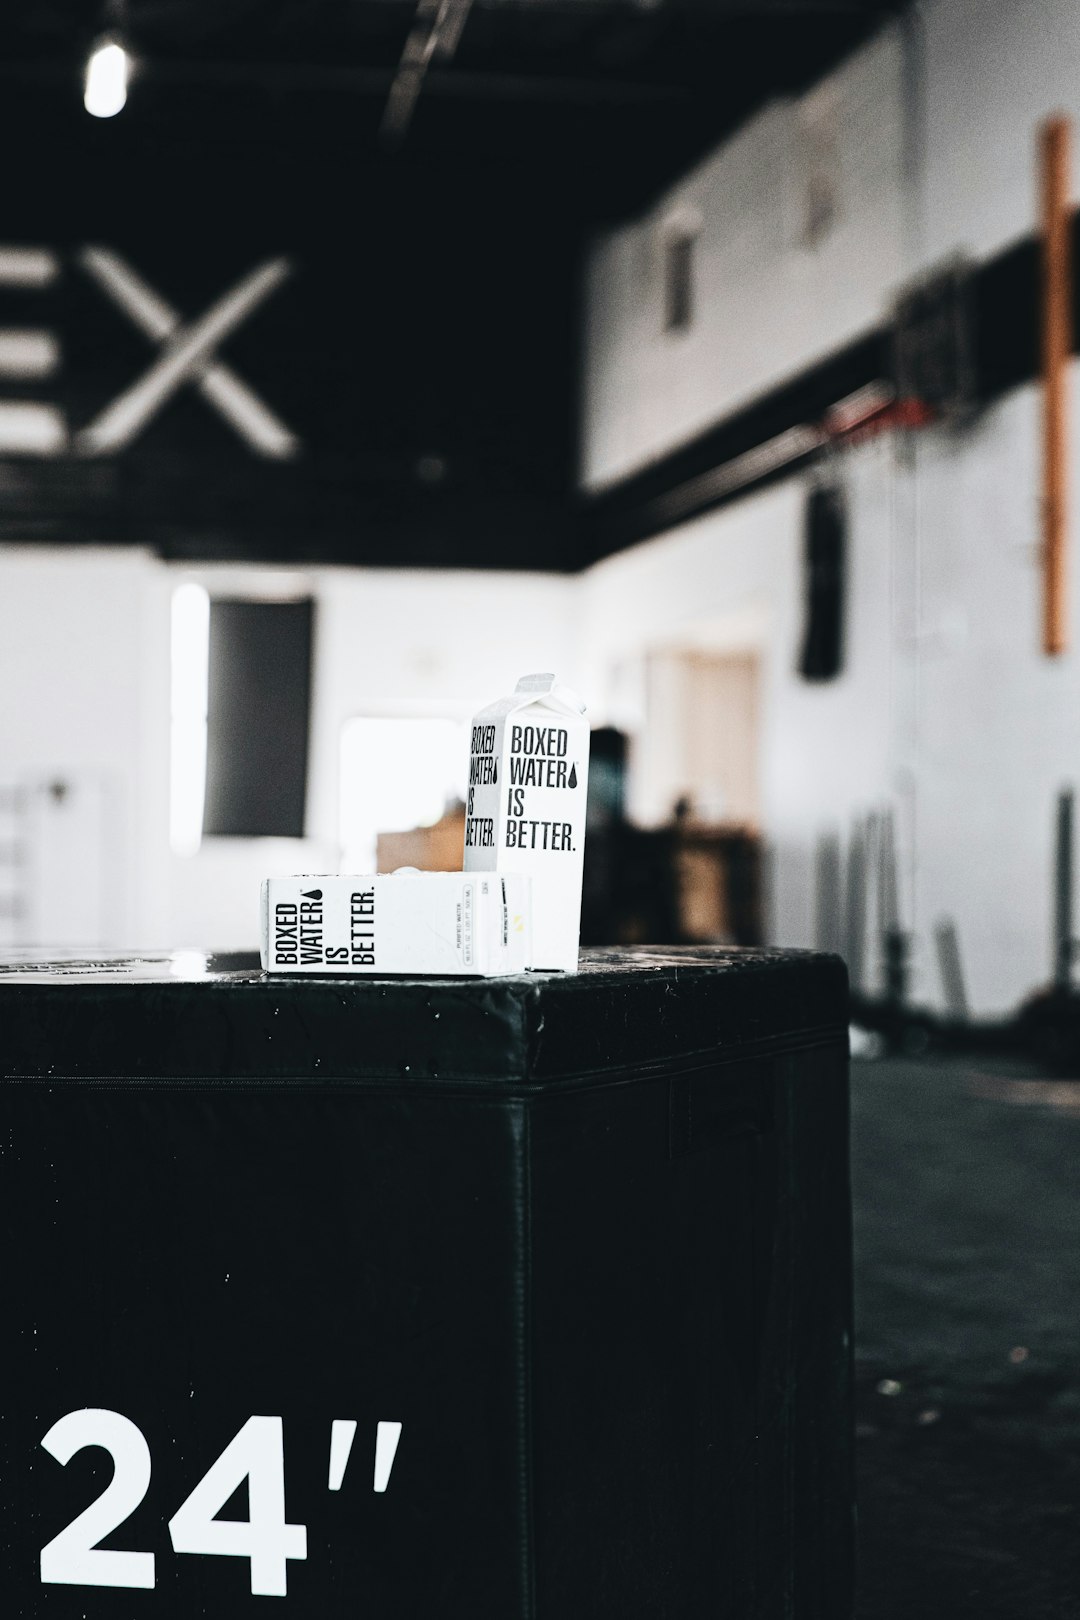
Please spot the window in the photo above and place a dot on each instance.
(680, 240)
(397, 773)
(819, 156)
(241, 692)
(258, 712)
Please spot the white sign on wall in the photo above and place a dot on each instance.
(187, 357)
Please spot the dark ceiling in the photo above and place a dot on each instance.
(426, 345)
(609, 98)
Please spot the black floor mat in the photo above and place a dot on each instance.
(967, 1232)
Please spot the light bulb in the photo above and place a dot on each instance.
(106, 79)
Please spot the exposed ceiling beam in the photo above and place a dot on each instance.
(314, 76)
(710, 8)
(434, 37)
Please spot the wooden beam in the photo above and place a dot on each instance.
(1056, 319)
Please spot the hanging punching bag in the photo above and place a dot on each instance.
(823, 637)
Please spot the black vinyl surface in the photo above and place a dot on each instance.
(221, 1016)
(586, 1238)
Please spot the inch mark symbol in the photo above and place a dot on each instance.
(342, 1435)
(386, 1444)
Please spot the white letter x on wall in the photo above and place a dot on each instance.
(187, 356)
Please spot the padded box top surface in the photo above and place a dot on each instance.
(193, 1015)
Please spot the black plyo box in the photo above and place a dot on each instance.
(586, 1238)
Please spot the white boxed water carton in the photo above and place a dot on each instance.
(528, 782)
(402, 922)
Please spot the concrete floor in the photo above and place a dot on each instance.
(967, 1239)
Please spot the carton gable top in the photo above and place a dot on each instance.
(540, 691)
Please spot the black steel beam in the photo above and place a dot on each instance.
(677, 486)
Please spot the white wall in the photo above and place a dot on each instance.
(998, 723)
(731, 582)
(84, 681)
(389, 640)
(947, 710)
(766, 304)
(993, 70)
(386, 641)
(84, 672)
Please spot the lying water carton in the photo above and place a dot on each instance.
(528, 783)
(404, 922)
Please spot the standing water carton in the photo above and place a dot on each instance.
(528, 781)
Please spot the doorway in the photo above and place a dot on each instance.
(698, 753)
